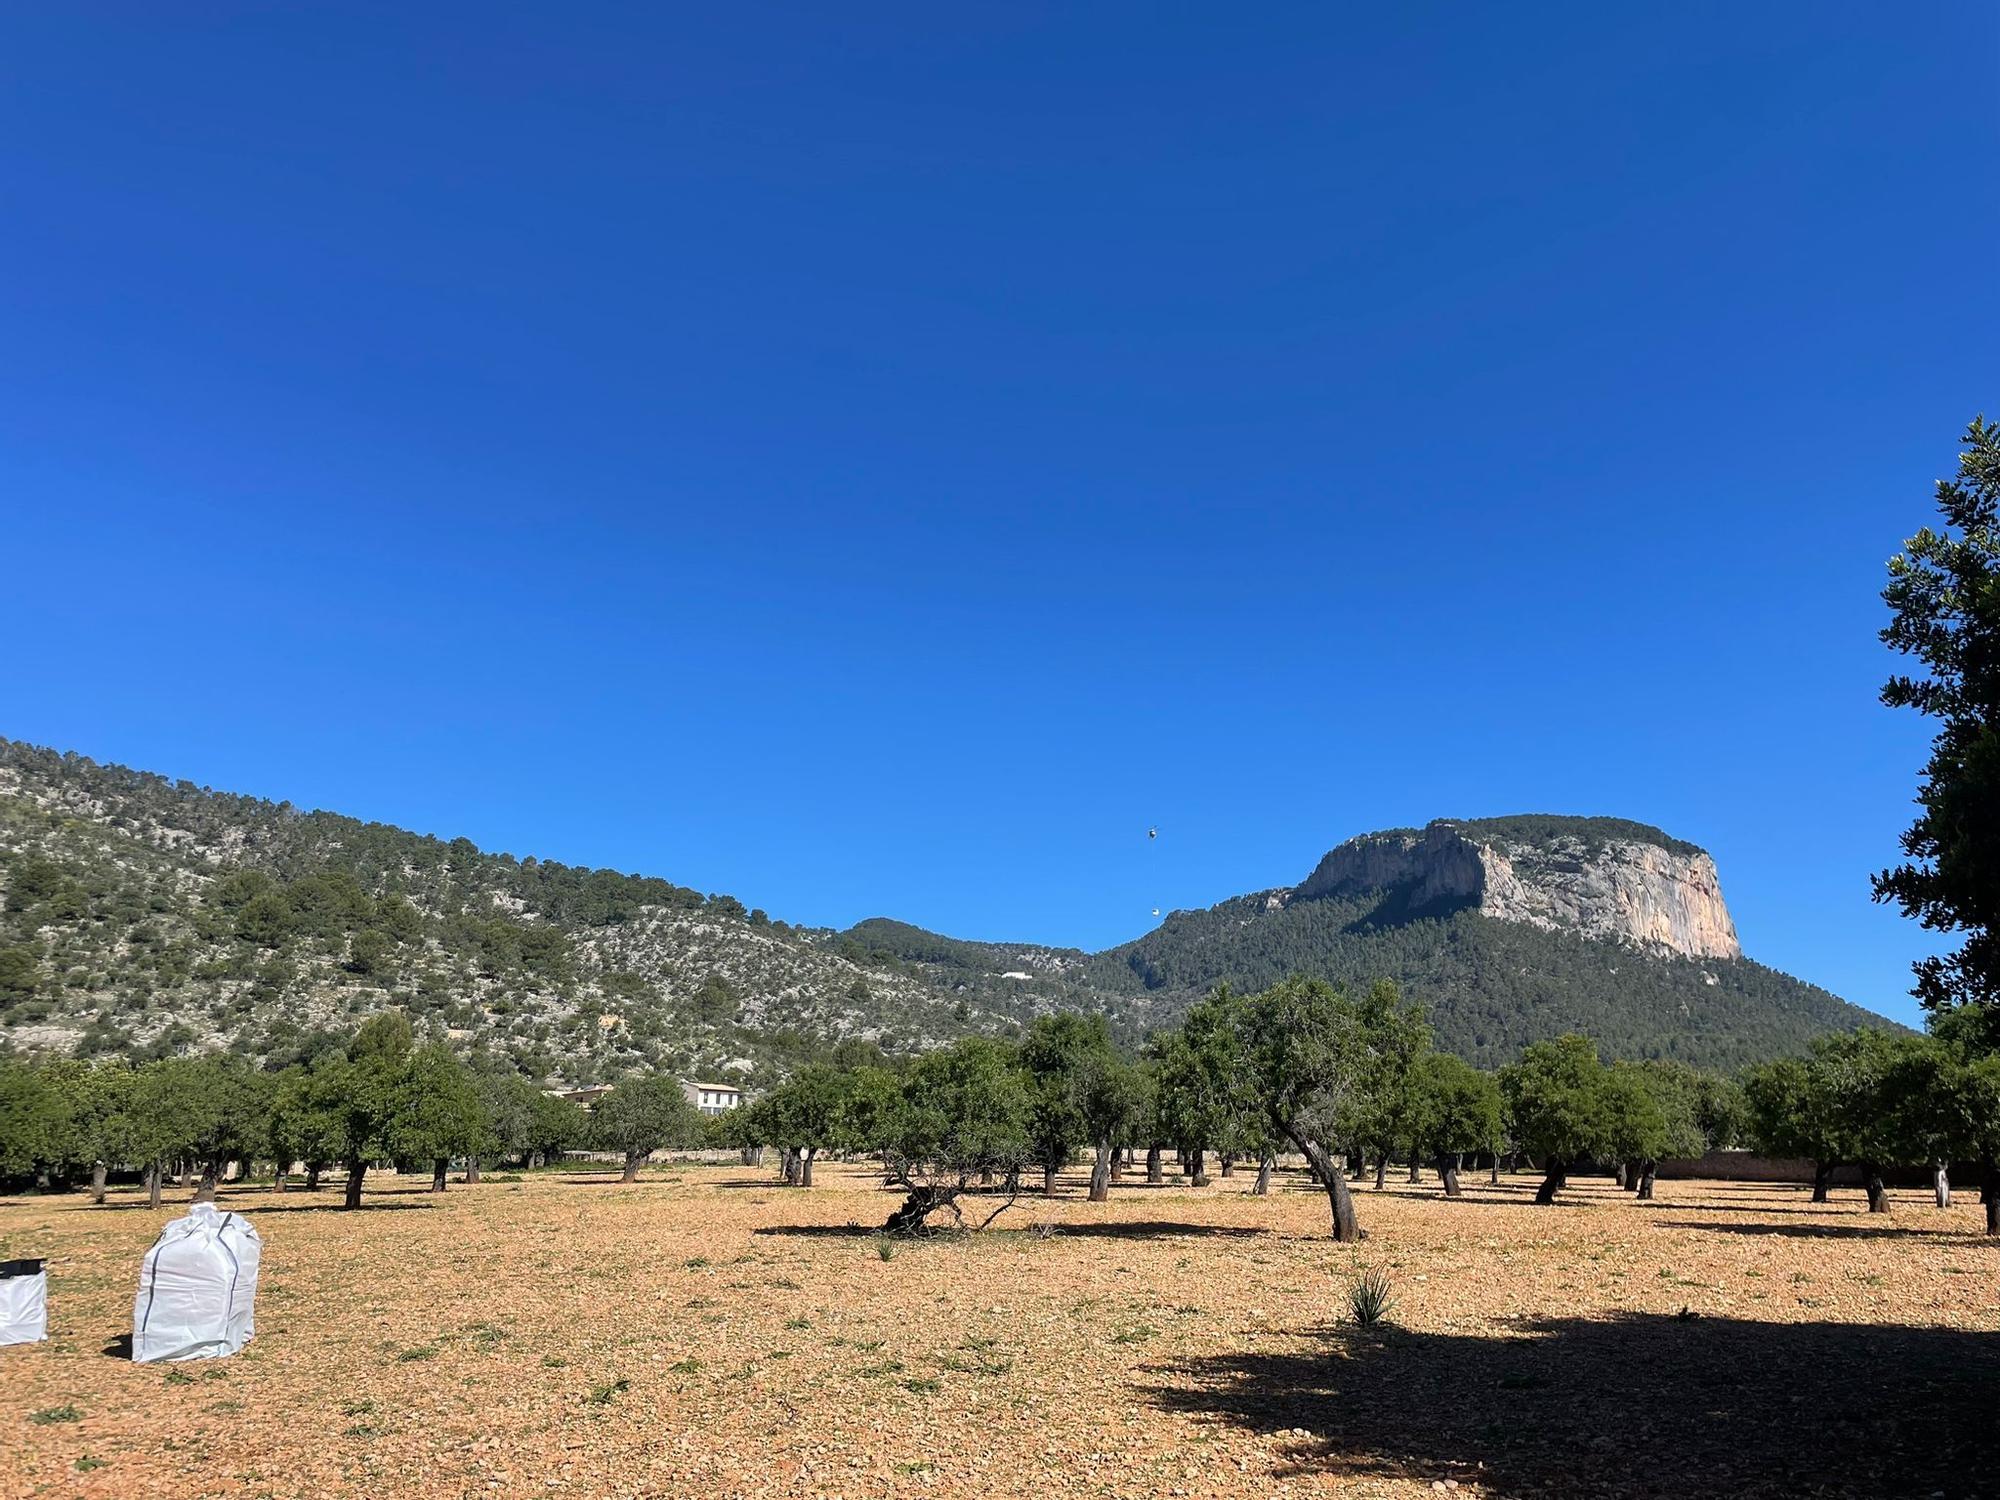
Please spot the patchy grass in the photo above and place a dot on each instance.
(1141, 1350)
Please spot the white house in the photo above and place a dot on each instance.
(713, 1098)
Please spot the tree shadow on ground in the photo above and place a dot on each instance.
(1636, 1405)
(231, 1203)
(118, 1348)
(1837, 1231)
(1155, 1229)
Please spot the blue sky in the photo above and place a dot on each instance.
(881, 461)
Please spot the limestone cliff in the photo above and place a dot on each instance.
(1600, 878)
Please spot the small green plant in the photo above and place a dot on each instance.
(177, 1376)
(1137, 1333)
(695, 1263)
(600, 1395)
(786, 1284)
(356, 1408)
(797, 1323)
(49, 1415)
(924, 1385)
(1370, 1298)
(688, 1366)
(885, 1248)
(421, 1351)
(553, 1361)
(86, 1463)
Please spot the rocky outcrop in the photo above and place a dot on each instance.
(1618, 889)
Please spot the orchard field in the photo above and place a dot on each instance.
(706, 1331)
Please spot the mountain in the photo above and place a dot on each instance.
(145, 916)
(1509, 930)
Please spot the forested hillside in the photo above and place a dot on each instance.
(1489, 987)
(141, 916)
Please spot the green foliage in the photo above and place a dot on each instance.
(1944, 595)
(1370, 1297)
(1556, 1099)
(644, 1115)
(1464, 1112)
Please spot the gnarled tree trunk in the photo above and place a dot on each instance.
(1262, 1185)
(471, 1171)
(1941, 1183)
(1155, 1173)
(1643, 1189)
(1822, 1179)
(1048, 1181)
(806, 1166)
(356, 1170)
(1416, 1157)
(153, 1185)
(204, 1189)
(1989, 1191)
(1198, 1173)
(1381, 1171)
(1100, 1173)
(97, 1174)
(1340, 1202)
(633, 1161)
(312, 1176)
(1448, 1175)
(440, 1168)
(1228, 1161)
(1878, 1195)
(1552, 1183)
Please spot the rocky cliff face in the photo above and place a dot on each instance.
(1662, 896)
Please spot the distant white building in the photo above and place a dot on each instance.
(713, 1098)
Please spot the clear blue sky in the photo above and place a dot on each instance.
(882, 460)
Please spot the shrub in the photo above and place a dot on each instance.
(1370, 1298)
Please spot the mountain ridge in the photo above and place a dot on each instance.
(140, 915)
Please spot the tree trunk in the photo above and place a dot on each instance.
(1340, 1202)
(1263, 1184)
(1625, 1176)
(1493, 1171)
(1878, 1195)
(1198, 1177)
(1644, 1191)
(1117, 1164)
(1941, 1183)
(632, 1161)
(1048, 1182)
(1822, 1177)
(1415, 1158)
(97, 1172)
(204, 1190)
(356, 1170)
(1448, 1175)
(471, 1171)
(1154, 1172)
(1558, 1174)
(1989, 1184)
(806, 1166)
(440, 1166)
(1228, 1161)
(752, 1156)
(312, 1176)
(916, 1208)
(153, 1185)
(1100, 1173)
(1381, 1171)
(788, 1162)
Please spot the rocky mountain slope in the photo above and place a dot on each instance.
(139, 915)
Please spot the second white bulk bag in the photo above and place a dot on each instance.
(197, 1288)
(24, 1301)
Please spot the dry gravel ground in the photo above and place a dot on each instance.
(706, 1332)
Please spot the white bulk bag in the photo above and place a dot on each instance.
(24, 1301)
(197, 1288)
